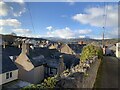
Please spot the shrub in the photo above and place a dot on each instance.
(90, 51)
(50, 82)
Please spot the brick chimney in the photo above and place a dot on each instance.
(25, 48)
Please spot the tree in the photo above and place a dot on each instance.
(90, 51)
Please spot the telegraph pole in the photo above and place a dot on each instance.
(103, 39)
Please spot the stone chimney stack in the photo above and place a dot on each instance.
(25, 48)
(61, 67)
(4, 44)
(19, 45)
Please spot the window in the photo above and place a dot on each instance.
(10, 74)
(53, 71)
(7, 75)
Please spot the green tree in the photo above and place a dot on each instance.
(89, 51)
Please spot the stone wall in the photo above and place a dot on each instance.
(89, 81)
(81, 79)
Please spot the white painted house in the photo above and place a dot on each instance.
(118, 50)
(8, 76)
(9, 70)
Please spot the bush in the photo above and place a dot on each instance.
(50, 82)
(90, 51)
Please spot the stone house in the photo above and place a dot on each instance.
(30, 65)
(64, 48)
(77, 48)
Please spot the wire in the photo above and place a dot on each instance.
(105, 17)
(30, 16)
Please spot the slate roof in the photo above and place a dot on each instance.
(37, 62)
(77, 48)
(42, 51)
(7, 63)
(52, 63)
(70, 60)
(36, 52)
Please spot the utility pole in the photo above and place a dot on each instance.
(103, 39)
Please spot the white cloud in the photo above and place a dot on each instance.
(49, 28)
(67, 33)
(18, 1)
(82, 36)
(112, 33)
(6, 9)
(3, 9)
(1, 29)
(84, 31)
(94, 16)
(20, 12)
(71, 2)
(61, 33)
(22, 31)
(10, 22)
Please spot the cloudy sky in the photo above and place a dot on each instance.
(59, 19)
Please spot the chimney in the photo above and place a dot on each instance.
(19, 45)
(25, 48)
(4, 44)
(61, 66)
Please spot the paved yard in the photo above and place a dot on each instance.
(108, 73)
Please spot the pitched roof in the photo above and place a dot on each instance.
(77, 48)
(12, 51)
(42, 51)
(7, 63)
(37, 61)
(36, 54)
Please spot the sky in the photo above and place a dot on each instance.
(60, 19)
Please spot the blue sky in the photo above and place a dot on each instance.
(59, 19)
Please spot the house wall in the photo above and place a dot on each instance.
(66, 49)
(52, 47)
(27, 72)
(118, 50)
(38, 74)
(23, 62)
(3, 79)
(34, 76)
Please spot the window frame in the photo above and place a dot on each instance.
(7, 75)
(11, 75)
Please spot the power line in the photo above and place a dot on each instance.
(30, 16)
